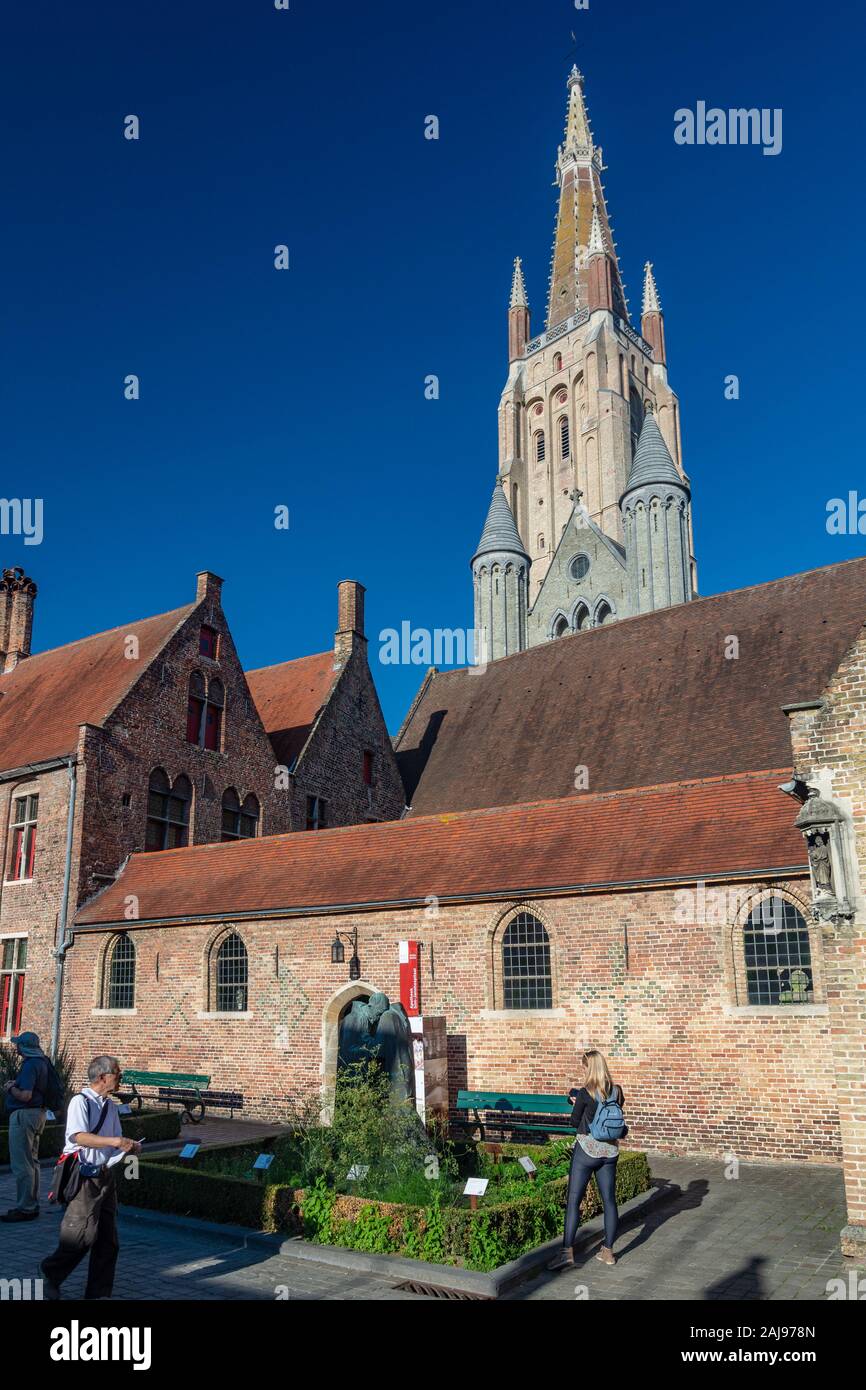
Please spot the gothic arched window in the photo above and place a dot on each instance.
(581, 618)
(603, 614)
(564, 437)
(232, 976)
(239, 822)
(539, 446)
(167, 811)
(120, 976)
(526, 975)
(557, 361)
(560, 627)
(778, 955)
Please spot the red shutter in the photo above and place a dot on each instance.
(212, 728)
(19, 1004)
(17, 849)
(193, 720)
(31, 852)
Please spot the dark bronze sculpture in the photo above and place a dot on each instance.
(375, 1030)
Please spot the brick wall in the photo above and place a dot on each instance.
(830, 751)
(701, 1071)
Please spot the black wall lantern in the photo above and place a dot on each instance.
(338, 952)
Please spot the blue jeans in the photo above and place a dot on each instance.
(582, 1169)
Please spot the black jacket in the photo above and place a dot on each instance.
(585, 1107)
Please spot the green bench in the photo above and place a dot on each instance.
(172, 1087)
(512, 1110)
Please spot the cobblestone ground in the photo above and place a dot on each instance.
(772, 1234)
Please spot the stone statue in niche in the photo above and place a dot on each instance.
(819, 858)
(375, 1030)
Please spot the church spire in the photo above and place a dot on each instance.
(579, 168)
(652, 324)
(518, 287)
(518, 314)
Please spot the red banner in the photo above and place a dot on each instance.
(410, 982)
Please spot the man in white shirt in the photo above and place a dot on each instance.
(90, 1221)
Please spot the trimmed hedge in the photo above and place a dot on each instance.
(151, 1126)
(492, 1235)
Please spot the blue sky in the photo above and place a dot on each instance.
(305, 388)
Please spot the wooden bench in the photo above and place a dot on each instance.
(186, 1089)
(212, 1100)
(511, 1111)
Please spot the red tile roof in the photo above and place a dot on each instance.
(45, 698)
(726, 827)
(646, 700)
(289, 696)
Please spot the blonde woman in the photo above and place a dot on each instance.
(597, 1117)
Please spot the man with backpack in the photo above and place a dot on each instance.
(35, 1090)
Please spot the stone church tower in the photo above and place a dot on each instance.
(590, 461)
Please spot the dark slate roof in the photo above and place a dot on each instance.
(735, 827)
(652, 462)
(642, 701)
(500, 531)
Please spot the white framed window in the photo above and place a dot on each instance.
(13, 968)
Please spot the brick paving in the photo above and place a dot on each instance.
(772, 1234)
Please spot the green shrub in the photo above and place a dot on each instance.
(517, 1215)
(151, 1126)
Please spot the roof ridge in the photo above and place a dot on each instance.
(607, 628)
(290, 661)
(105, 632)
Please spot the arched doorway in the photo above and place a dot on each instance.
(335, 1008)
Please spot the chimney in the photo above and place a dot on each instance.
(17, 596)
(207, 585)
(350, 620)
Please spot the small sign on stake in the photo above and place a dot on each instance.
(528, 1166)
(264, 1161)
(357, 1172)
(475, 1188)
(189, 1150)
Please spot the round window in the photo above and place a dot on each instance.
(579, 567)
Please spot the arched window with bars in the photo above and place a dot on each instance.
(527, 981)
(231, 976)
(778, 956)
(120, 975)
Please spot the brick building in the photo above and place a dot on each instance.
(686, 927)
(150, 736)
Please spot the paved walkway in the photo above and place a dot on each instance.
(771, 1234)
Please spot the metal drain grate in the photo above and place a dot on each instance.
(434, 1291)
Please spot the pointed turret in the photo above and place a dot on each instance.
(656, 524)
(578, 175)
(599, 266)
(500, 574)
(500, 532)
(518, 314)
(652, 319)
